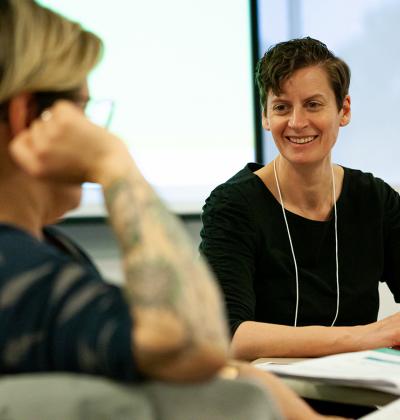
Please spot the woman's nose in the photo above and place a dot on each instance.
(298, 119)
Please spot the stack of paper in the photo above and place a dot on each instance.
(374, 369)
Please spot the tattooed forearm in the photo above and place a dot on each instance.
(165, 279)
(120, 199)
(156, 284)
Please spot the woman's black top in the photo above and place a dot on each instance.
(245, 240)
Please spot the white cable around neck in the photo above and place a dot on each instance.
(291, 245)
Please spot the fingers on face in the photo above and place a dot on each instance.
(30, 148)
(21, 150)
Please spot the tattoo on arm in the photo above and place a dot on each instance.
(164, 274)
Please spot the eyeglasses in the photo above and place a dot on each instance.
(99, 111)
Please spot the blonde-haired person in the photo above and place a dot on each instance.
(56, 312)
(46, 53)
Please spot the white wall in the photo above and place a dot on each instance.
(388, 305)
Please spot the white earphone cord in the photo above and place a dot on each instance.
(292, 249)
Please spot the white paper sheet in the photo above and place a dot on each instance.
(374, 369)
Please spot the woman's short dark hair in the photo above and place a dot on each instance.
(283, 59)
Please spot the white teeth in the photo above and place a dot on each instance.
(301, 140)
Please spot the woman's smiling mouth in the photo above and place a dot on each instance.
(301, 140)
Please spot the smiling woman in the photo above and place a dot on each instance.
(302, 242)
(304, 118)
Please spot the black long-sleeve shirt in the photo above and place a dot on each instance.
(245, 240)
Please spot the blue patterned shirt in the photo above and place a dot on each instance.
(57, 313)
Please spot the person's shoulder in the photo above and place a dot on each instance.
(55, 236)
(360, 181)
(37, 268)
(236, 188)
(26, 263)
(245, 175)
(359, 175)
(20, 253)
(19, 245)
(369, 191)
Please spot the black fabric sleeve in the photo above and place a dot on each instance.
(391, 202)
(229, 245)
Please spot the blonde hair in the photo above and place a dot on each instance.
(42, 51)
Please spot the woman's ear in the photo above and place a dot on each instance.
(346, 111)
(265, 121)
(19, 113)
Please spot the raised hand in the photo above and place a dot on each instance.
(63, 145)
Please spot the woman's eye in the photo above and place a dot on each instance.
(280, 108)
(313, 105)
